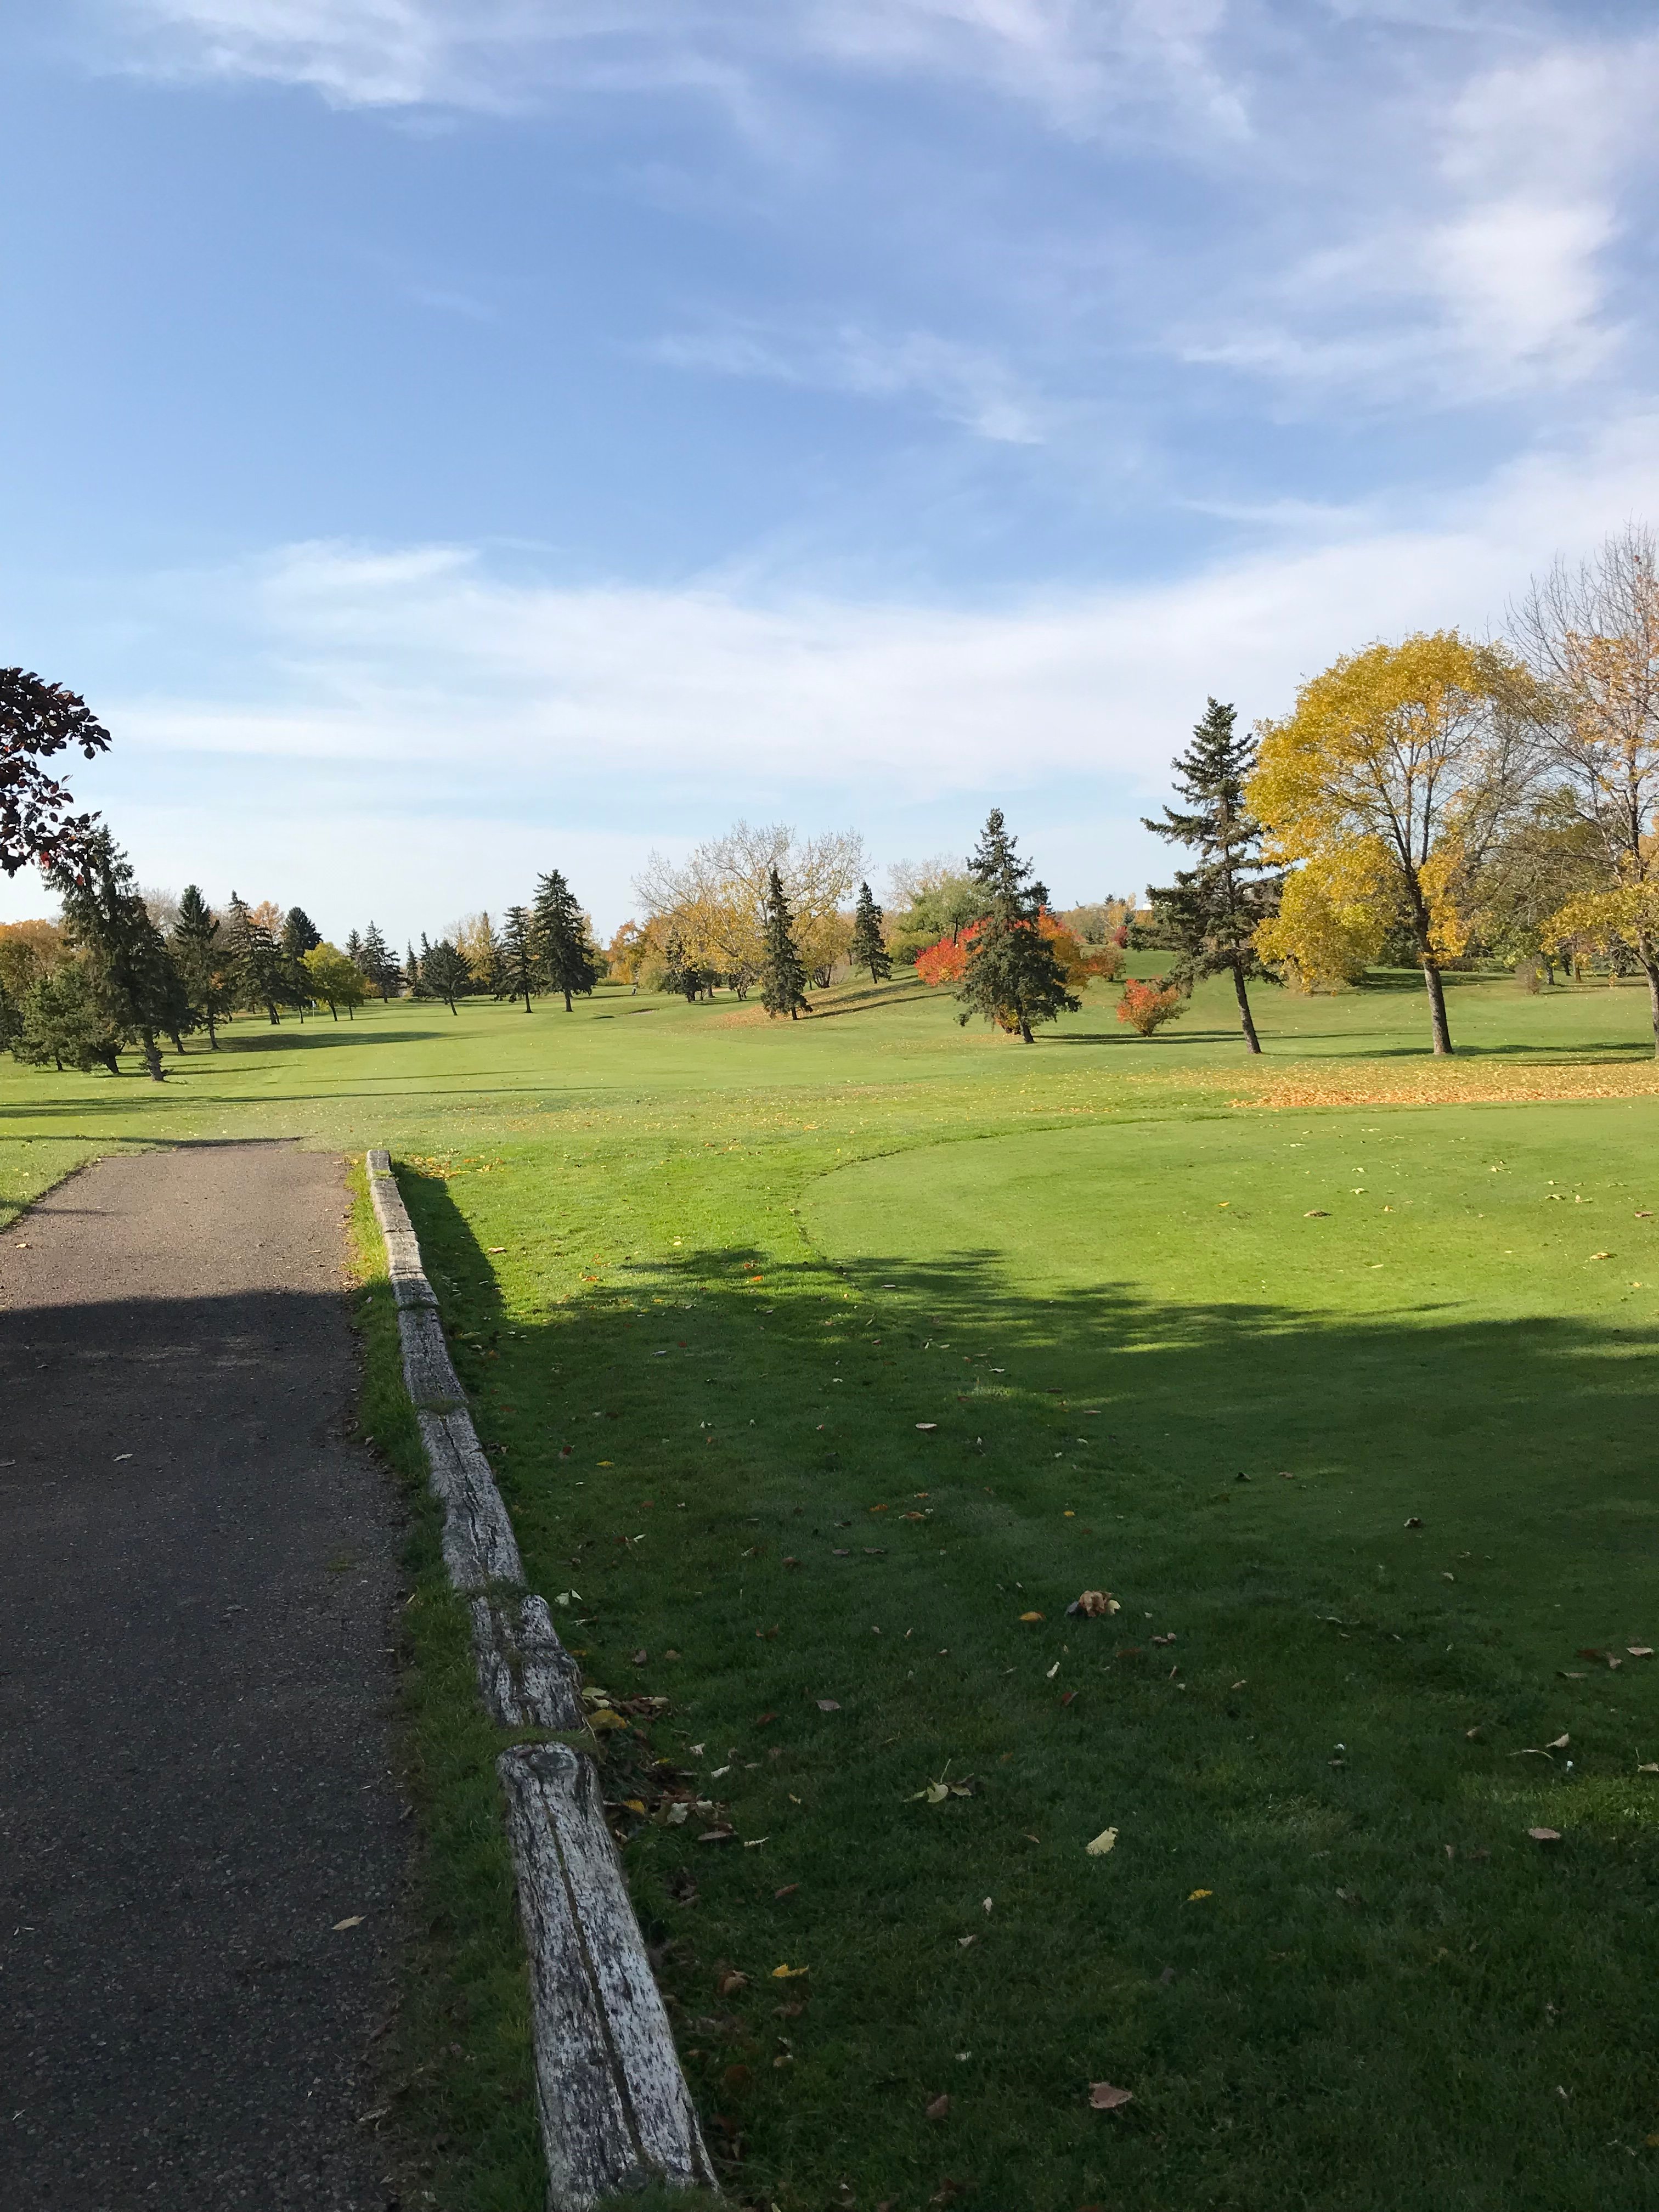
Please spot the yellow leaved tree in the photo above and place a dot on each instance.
(1382, 791)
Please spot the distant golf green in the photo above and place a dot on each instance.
(826, 1365)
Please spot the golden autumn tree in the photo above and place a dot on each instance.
(1589, 636)
(1386, 784)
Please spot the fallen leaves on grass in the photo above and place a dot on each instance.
(1094, 1605)
(730, 1980)
(1104, 1842)
(828, 1705)
(1639, 1651)
(721, 1834)
(1315, 1213)
(1104, 2097)
(1192, 1896)
(356, 1920)
(1030, 1616)
(938, 2108)
(789, 1973)
(926, 1427)
(1545, 1835)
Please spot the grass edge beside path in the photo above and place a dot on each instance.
(458, 2101)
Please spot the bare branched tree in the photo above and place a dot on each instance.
(1588, 633)
(715, 899)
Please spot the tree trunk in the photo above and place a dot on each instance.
(1026, 1036)
(567, 1006)
(213, 1031)
(1435, 988)
(153, 1056)
(1651, 965)
(1250, 1037)
(275, 1018)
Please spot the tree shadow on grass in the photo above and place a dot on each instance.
(719, 1461)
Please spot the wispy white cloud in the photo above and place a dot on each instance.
(963, 384)
(423, 687)
(1479, 257)
(1073, 58)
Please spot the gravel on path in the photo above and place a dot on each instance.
(196, 1590)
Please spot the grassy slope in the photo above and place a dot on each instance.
(1379, 2024)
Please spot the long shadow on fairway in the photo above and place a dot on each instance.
(1324, 1953)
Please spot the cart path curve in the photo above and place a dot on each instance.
(196, 1587)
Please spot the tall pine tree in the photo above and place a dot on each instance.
(256, 960)
(868, 950)
(378, 966)
(519, 977)
(444, 972)
(559, 929)
(1012, 976)
(199, 955)
(133, 982)
(783, 972)
(1209, 915)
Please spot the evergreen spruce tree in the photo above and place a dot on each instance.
(1012, 976)
(1209, 915)
(61, 1019)
(411, 974)
(867, 949)
(783, 972)
(559, 930)
(256, 960)
(444, 973)
(354, 951)
(198, 955)
(134, 985)
(519, 975)
(380, 969)
(299, 935)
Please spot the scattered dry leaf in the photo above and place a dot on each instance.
(731, 1981)
(938, 2108)
(927, 1425)
(1639, 1651)
(1545, 1835)
(828, 1705)
(1104, 1842)
(789, 1973)
(1030, 1616)
(721, 1834)
(1192, 1896)
(1104, 2098)
(355, 1921)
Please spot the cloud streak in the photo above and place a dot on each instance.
(419, 685)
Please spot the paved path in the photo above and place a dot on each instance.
(197, 1577)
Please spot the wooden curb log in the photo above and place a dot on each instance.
(616, 2114)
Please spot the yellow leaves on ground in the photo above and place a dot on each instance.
(1104, 1842)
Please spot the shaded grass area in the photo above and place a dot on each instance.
(458, 2095)
(701, 1383)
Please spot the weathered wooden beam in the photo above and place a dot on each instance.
(526, 1676)
(615, 2111)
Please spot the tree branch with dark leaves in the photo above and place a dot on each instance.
(37, 720)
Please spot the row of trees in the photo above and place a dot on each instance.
(1445, 798)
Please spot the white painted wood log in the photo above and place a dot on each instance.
(479, 1546)
(526, 1677)
(615, 2111)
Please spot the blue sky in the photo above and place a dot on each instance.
(447, 439)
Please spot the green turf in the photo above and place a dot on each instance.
(704, 1280)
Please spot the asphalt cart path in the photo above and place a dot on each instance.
(197, 1582)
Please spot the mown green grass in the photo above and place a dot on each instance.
(1354, 2017)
